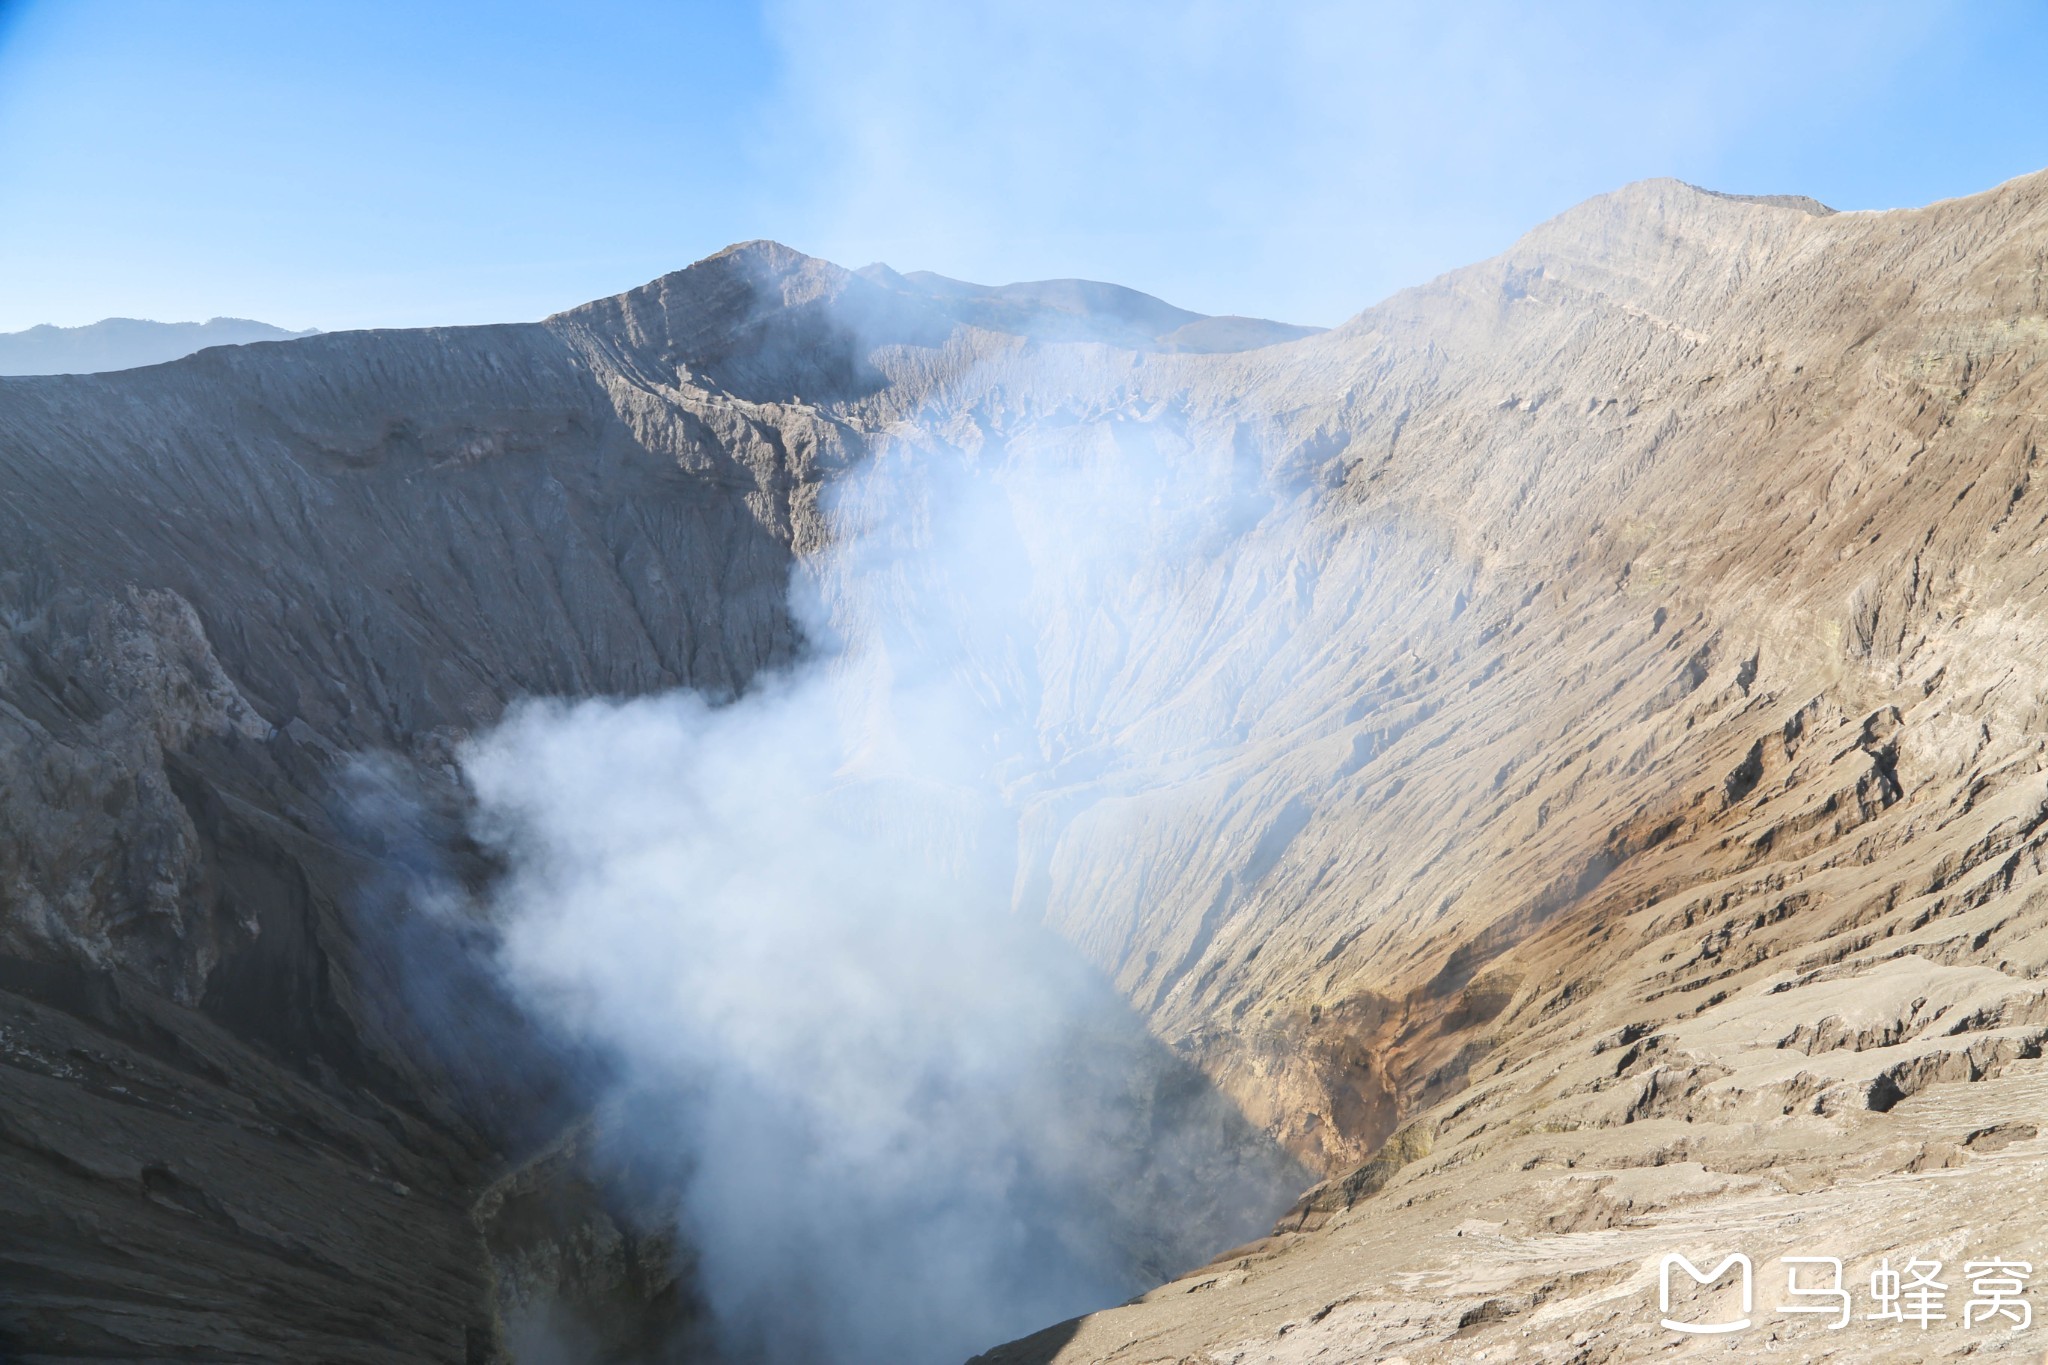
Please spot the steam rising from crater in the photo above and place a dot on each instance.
(904, 1121)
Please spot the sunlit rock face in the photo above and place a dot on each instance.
(1684, 898)
(1560, 749)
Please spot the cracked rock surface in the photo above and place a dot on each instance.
(1703, 908)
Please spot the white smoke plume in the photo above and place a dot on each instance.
(905, 1122)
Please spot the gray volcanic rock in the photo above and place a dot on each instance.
(1576, 783)
(244, 1109)
(227, 581)
(124, 343)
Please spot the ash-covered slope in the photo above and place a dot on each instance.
(228, 1129)
(248, 1098)
(1677, 890)
(1577, 772)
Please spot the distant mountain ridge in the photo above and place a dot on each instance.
(125, 343)
(1076, 310)
(1043, 310)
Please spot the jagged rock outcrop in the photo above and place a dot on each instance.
(1577, 786)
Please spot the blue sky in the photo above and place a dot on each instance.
(362, 163)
